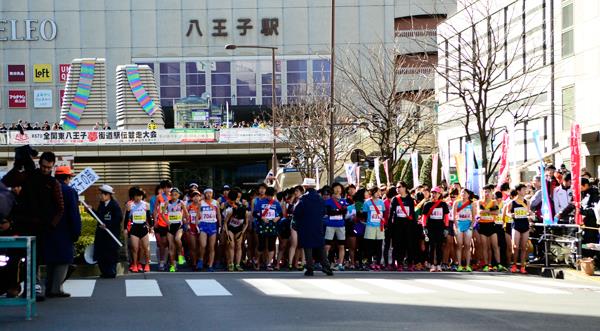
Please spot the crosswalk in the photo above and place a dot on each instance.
(332, 287)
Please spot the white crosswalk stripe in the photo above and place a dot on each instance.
(142, 288)
(80, 288)
(458, 286)
(520, 287)
(271, 286)
(398, 286)
(560, 284)
(207, 287)
(334, 286)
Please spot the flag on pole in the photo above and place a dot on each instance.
(546, 211)
(434, 169)
(349, 167)
(387, 171)
(576, 170)
(469, 166)
(414, 160)
(459, 159)
(377, 172)
(504, 166)
(318, 177)
(445, 165)
(357, 176)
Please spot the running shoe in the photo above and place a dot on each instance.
(433, 269)
(444, 267)
(454, 268)
(269, 267)
(147, 267)
(523, 271)
(238, 268)
(161, 267)
(439, 268)
(390, 267)
(181, 260)
(400, 268)
(460, 269)
(514, 269)
(486, 269)
(411, 268)
(210, 269)
(133, 268)
(340, 267)
(172, 268)
(199, 265)
(140, 268)
(469, 269)
(230, 267)
(502, 268)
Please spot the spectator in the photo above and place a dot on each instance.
(563, 194)
(46, 126)
(56, 127)
(60, 239)
(3, 127)
(106, 127)
(97, 126)
(28, 126)
(106, 250)
(36, 126)
(13, 127)
(39, 206)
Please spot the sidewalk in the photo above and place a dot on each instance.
(572, 274)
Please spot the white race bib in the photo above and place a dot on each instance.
(336, 218)
(139, 217)
(175, 217)
(437, 214)
(400, 212)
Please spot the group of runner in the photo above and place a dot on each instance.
(382, 228)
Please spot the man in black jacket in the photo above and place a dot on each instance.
(106, 250)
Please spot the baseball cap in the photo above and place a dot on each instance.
(436, 189)
(63, 170)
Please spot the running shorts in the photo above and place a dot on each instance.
(521, 225)
(374, 233)
(173, 228)
(161, 230)
(486, 229)
(208, 228)
(338, 233)
(138, 230)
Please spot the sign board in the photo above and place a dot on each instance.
(16, 73)
(61, 97)
(84, 180)
(17, 99)
(42, 99)
(245, 135)
(42, 73)
(63, 72)
(112, 137)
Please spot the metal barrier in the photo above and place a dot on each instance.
(547, 239)
(29, 244)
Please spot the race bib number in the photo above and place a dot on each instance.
(437, 214)
(270, 214)
(464, 214)
(193, 217)
(400, 212)
(175, 217)
(209, 216)
(235, 222)
(520, 212)
(335, 218)
(139, 217)
(375, 218)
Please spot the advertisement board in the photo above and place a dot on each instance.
(42, 73)
(17, 99)
(63, 72)
(42, 99)
(16, 73)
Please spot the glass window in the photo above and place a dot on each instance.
(169, 80)
(195, 79)
(296, 79)
(221, 83)
(150, 64)
(246, 82)
(321, 76)
(266, 68)
(567, 30)
(568, 107)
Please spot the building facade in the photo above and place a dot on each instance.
(183, 42)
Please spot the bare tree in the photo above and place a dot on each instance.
(393, 94)
(490, 71)
(306, 125)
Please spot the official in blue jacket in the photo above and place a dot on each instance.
(308, 216)
(106, 250)
(61, 238)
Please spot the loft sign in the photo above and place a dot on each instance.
(27, 29)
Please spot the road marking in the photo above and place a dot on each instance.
(458, 286)
(519, 286)
(334, 286)
(142, 288)
(79, 288)
(398, 286)
(271, 286)
(561, 284)
(207, 287)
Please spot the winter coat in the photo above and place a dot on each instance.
(58, 247)
(105, 248)
(308, 216)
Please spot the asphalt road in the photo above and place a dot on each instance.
(288, 301)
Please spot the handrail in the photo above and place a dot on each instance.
(29, 244)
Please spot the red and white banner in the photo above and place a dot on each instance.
(376, 169)
(576, 169)
(386, 169)
(63, 72)
(504, 168)
(434, 169)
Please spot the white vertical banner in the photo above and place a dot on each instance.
(386, 169)
(469, 166)
(349, 167)
(357, 176)
(318, 177)
(414, 161)
(377, 172)
(445, 164)
(434, 169)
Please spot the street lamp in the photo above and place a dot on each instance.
(332, 98)
(273, 95)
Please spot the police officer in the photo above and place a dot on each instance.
(106, 250)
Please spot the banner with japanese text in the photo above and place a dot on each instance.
(575, 143)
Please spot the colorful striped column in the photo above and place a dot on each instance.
(133, 76)
(81, 97)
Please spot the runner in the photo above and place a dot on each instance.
(390, 193)
(283, 228)
(499, 228)
(374, 231)
(209, 217)
(193, 232)
(520, 213)
(296, 253)
(508, 225)
(488, 210)
(404, 228)
(268, 212)
(137, 216)
(351, 221)
(161, 226)
(253, 255)
(435, 221)
(335, 231)
(177, 215)
(236, 222)
(449, 260)
(464, 215)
